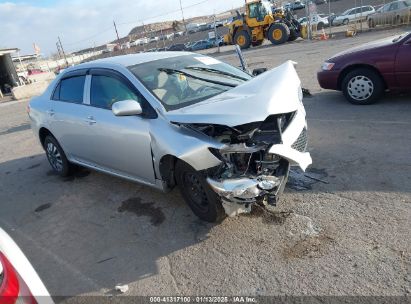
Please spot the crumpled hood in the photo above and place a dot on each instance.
(273, 92)
(367, 46)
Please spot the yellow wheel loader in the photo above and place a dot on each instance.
(259, 23)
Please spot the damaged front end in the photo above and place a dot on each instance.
(249, 173)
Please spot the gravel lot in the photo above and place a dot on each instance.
(348, 234)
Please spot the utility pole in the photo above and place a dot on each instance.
(62, 50)
(215, 35)
(118, 38)
(182, 14)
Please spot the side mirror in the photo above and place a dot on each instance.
(126, 108)
(259, 71)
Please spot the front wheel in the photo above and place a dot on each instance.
(56, 157)
(362, 86)
(278, 33)
(346, 21)
(202, 200)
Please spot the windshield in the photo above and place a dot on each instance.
(400, 37)
(185, 80)
(346, 12)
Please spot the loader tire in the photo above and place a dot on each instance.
(278, 33)
(243, 39)
(293, 35)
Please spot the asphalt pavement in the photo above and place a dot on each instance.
(343, 228)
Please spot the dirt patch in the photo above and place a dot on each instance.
(269, 217)
(42, 207)
(311, 247)
(139, 208)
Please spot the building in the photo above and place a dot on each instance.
(8, 74)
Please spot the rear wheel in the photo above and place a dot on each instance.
(320, 26)
(56, 157)
(243, 39)
(202, 200)
(278, 33)
(362, 86)
(293, 35)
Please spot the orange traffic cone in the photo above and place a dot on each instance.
(323, 36)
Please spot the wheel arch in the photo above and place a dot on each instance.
(350, 68)
(43, 133)
(167, 169)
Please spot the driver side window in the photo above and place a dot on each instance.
(106, 90)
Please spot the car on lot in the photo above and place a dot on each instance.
(295, 6)
(177, 47)
(19, 282)
(200, 45)
(353, 15)
(396, 12)
(226, 138)
(321, 21)
(363, 73)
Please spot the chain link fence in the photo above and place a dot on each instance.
(348, 17)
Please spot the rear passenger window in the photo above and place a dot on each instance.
(70, 89)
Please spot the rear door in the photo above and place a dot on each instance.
(66, 118)
(403, 65)
(120, 144)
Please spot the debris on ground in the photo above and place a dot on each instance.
(121, 288)
(299, 180)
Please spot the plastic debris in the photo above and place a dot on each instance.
(121, 288)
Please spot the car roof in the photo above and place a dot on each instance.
(133, 59)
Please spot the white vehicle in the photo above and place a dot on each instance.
(19, 282)
(354, 14)
(320, 20)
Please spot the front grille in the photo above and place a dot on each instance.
(301, 143)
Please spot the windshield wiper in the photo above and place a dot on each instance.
(215, 71)
(175, 71)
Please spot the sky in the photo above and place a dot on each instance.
(83, 23)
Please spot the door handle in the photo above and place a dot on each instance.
(90, 120)
(50, 112)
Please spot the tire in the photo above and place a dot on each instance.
(345, 21)
(201, 199)
(243, 39)
(320, 26)
(362, 86)
(56, 157)
(371, 23)
(257, 43)
(293, 35)
(278, 33)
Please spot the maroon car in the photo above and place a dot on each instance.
(363, 73)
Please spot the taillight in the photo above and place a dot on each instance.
(12, 287)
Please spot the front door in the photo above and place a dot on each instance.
(403, 65)
(120, 144)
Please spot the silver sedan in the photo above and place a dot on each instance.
(162, 119)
